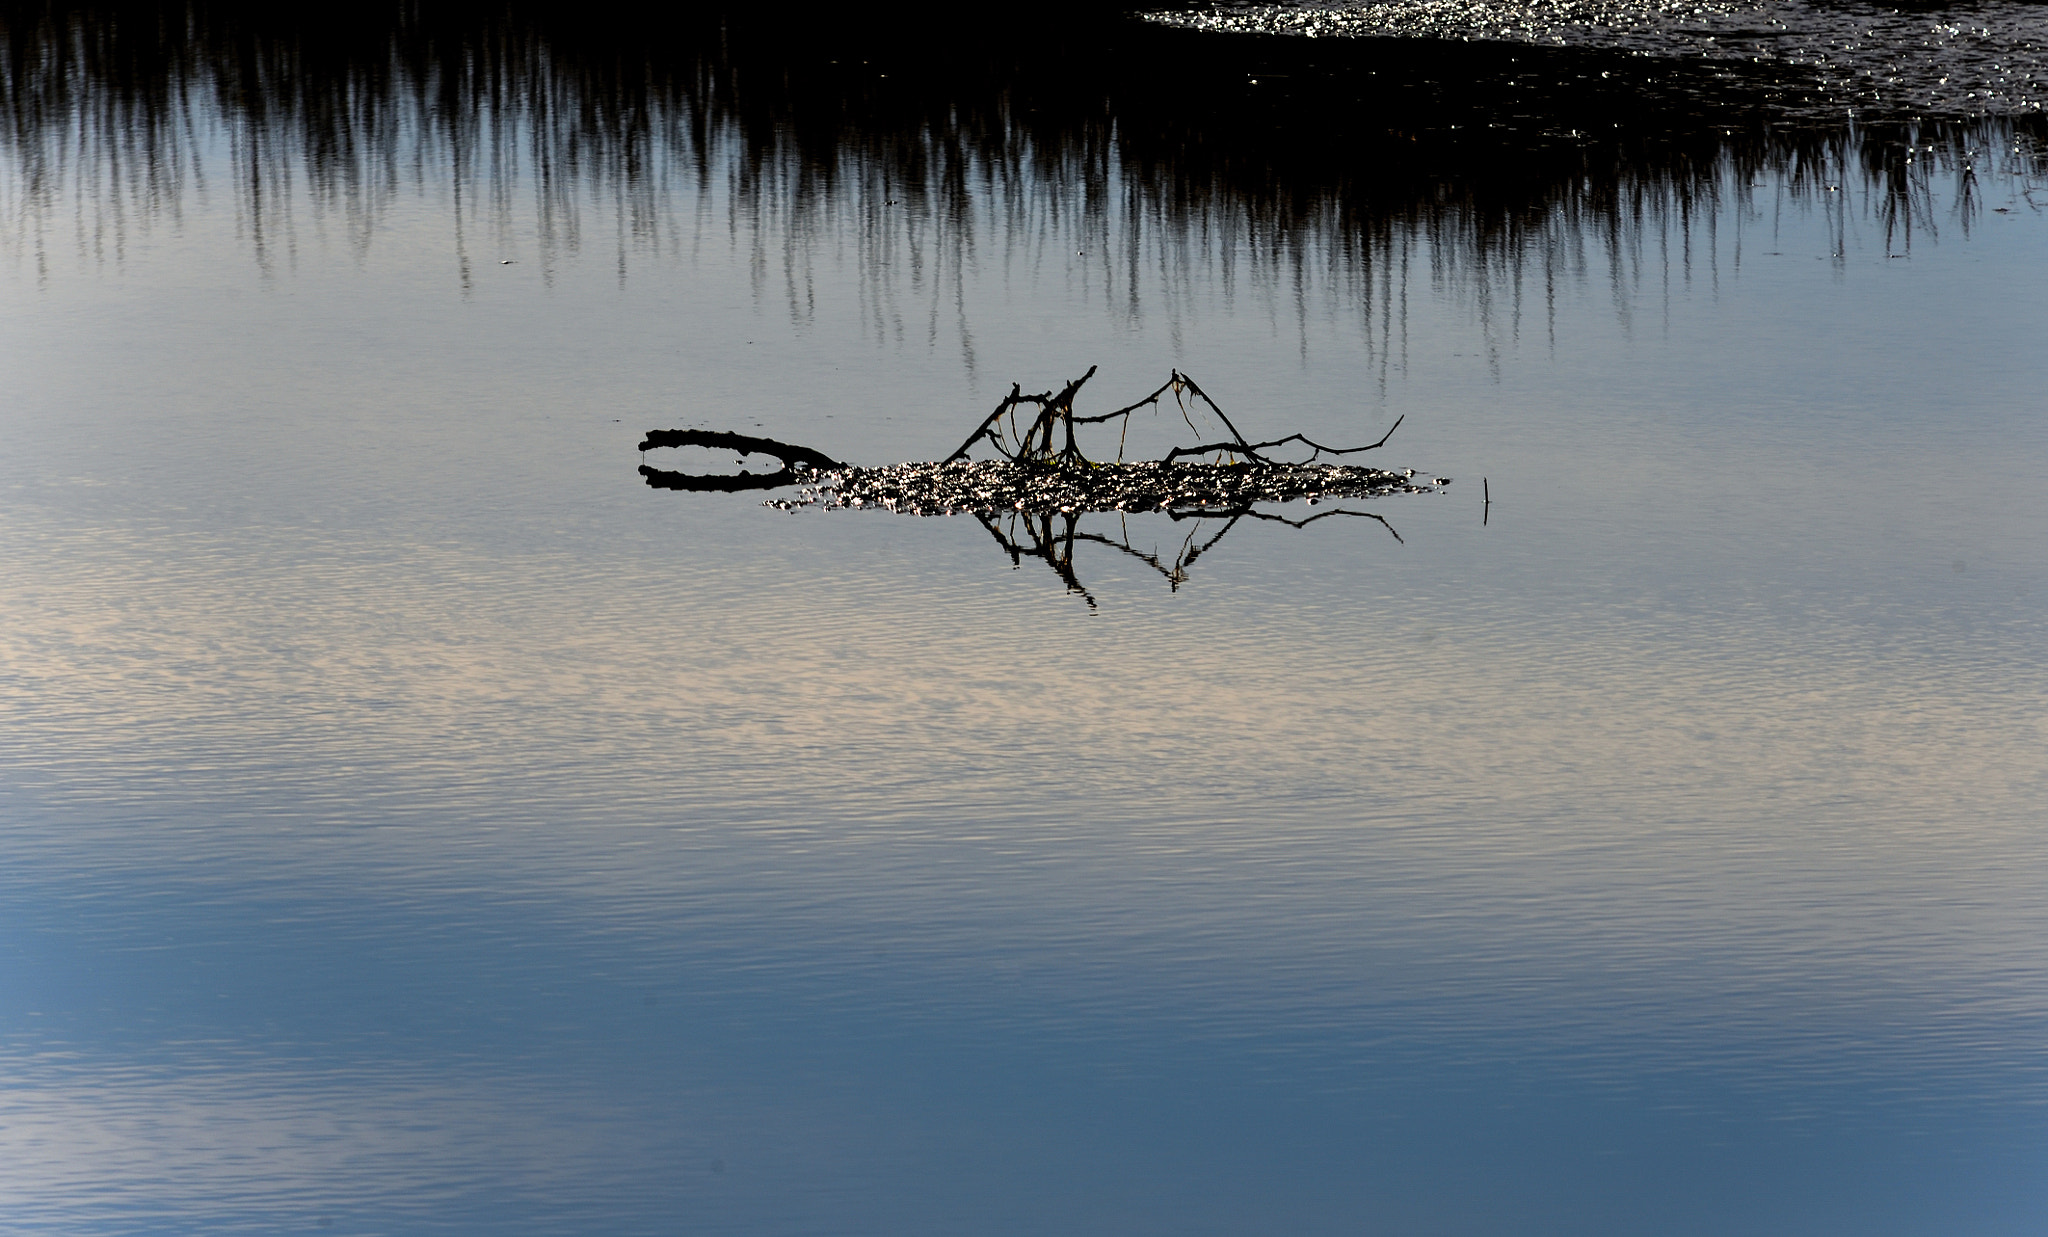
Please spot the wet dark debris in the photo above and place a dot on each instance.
(1000, 487)
(1042, 469)
(1033, 498)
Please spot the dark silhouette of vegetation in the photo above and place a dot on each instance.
(1298, 155)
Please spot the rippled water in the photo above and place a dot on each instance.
(414, 822)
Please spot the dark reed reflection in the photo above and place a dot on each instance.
(1307, 168)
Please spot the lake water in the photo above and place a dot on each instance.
(414, 822)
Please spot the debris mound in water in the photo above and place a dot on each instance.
(996, 487)
(1043, 471)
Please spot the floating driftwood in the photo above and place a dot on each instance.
(1041, 468)
(1032, 496)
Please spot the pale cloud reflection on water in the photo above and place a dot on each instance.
(1631, 806)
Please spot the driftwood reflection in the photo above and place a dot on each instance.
(718, 483)
(1053, 538)
(795, 463)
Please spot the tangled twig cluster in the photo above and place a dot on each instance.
(1031, 441)
(1041, 469)
(1033, 497)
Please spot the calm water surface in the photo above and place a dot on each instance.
(414, 823)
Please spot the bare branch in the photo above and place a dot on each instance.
(986, 428)
(1153, 398)
(721, 440)
(1189, 383)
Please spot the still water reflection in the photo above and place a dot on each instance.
(415, 823)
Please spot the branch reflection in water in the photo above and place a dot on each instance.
(1053, 538)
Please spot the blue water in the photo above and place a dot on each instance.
(414, 823)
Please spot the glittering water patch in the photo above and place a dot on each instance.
(999, 487)
(1988, 58)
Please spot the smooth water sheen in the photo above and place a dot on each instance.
(415, 823)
